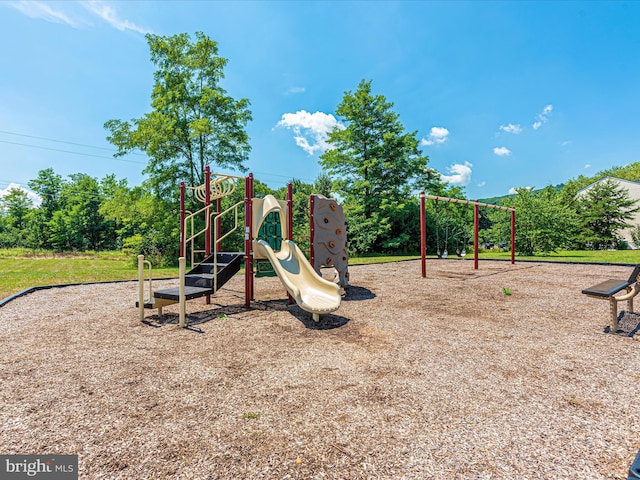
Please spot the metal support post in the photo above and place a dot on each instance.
(476, 227)
(423, 236)
(183, 301)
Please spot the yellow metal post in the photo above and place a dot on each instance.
(141, 286)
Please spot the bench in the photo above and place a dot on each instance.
(607, 291)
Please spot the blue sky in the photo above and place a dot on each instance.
(501, 94)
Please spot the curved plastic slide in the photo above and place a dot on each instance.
(311, 292)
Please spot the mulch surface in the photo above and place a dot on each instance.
(444, 377)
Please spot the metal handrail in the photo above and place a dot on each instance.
(141, 300)
(219, 215)
(214, 218)
(190, 240)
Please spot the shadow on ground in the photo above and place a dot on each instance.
(327, 321)
(358, 293)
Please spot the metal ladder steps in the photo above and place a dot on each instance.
(207, 268)
(203, 280)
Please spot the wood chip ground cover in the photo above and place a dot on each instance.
(443, 378)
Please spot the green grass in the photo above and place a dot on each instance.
(21, 268)
(595, 256)
(368, 260)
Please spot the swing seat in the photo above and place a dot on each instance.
(607, 290)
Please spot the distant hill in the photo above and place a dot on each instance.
(502, 199)
(630, 172)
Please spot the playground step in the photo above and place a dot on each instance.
(189, 293)
(199, 281)
(206, 267)
(204, 280)
(228, 264)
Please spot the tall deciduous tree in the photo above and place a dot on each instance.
(544, 222)
(16, 204)
(15, 210)
(78, 223)
(48, 186)
(193, 122)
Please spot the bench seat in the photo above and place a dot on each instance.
(607, 291)
(606, 288)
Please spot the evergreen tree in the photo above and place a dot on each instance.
(375, 165)
(604, 209)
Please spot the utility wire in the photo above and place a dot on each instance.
(74, 153)
(62, 141)
(289, 177)
(120, 159)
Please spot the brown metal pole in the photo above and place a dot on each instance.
(513, 236)
(476, 223)
(312, 231)
(182, 229)
(248, 264)
(207, 220)
(251, 275)
(207, 203)
(289, 211)
(289, 224)
(423, 236)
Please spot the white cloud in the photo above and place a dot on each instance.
(75, 14)
(44, 11)
(565, 143)
(587, 165)
(458, 174)
(310, 129)
(34, 197)
(511, 128)
(514, 190)
(543, 117)
(482, 184)
(436, 135)
(109, 15)
(501, 151)
(294, 90)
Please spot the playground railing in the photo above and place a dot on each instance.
(181, 288)
(141, 300)
(217, 235)
(191, 235)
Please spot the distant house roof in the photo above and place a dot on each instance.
(632, 187)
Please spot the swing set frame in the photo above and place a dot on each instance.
(476, 205)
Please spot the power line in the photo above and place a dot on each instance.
(62, 141)
(289, 177)
(121, 159)
(109, 150)
(72, 152)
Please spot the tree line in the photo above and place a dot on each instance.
(373, 167)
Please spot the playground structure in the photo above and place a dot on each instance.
(476, 205)
(267, 237)
(328, 237)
